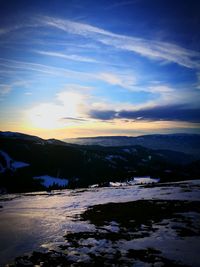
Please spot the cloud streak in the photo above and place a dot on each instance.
(73, 119)
(68, 57)
(5, 89)
(121, 79)
(8, 64)
(156, 50)
(151, 49)
(121, 4)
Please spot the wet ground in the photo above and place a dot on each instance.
(130, 226)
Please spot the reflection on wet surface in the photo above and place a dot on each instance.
(45, 221)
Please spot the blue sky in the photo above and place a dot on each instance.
(86, 68)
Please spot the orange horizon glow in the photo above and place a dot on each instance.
(92, 129)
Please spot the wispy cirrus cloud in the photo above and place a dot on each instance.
(164, 93)
(121, 4)
(5, 89)
(8, 64)
(151, 49)
(124, 80)
(156, 50)
(7, 30)
(198, 81)
(66, 56)
(121, 79)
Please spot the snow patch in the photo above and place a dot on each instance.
(145, 180)
(94, 186)
(6, 158)
(19, 164)
(129, 150)
(132, 182)
(49, 181)
(10, 163)
(111, 158)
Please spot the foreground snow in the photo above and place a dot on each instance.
(39, 221)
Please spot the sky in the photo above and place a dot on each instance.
(79, 68)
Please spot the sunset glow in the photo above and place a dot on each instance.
(109, 68)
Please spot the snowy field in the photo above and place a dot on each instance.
(52, 222)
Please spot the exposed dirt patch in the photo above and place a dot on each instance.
(121, 222)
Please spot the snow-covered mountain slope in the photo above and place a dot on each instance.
(7, 163)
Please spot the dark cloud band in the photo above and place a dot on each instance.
(159, 113)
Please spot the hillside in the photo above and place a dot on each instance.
(29, 163)
(186, 143)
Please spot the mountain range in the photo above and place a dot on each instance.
(26, 161)
(187, 143)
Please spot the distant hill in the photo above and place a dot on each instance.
(186, 143)
(24, 158)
